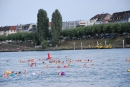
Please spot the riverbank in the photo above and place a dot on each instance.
(91, 44)
(68, 45)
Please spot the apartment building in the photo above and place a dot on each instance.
(69, 24)
(4, 30)
(12, 30)
(19, 28)
(100, 19)
(120, 17)
(83, 23)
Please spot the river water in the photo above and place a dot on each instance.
(103, 73)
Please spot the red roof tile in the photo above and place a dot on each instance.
(13, 28)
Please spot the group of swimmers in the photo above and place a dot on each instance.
(32, 62)
(68, 62)
(9, 73)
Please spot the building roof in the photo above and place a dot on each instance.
(5, 28)
(25, 27)
(99, 17)
(120, 15)
(13, 28)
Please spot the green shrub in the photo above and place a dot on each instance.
(44, 44)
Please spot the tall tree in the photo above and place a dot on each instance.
(56, 27)
(42, 25)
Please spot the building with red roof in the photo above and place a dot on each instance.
(12, 30)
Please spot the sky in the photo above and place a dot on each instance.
(13, 12)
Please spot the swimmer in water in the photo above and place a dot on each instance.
(5, 75)
(58, 66)
(25, 72)
(12, 74)
(59, 73)
(16, 74)
(19, 72)
(41, 73)
(43, 62)
(84, 65)
(62, 73)
(47, 66)
(62, 62)
(92, 64)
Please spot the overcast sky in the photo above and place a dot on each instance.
(13, 12)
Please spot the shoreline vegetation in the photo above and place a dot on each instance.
(68, 45)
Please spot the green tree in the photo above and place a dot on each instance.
(3, 37)
(120, 28)
(100, 29)
(88, 30)
(42, 25)
(56, 27)
(107, 28)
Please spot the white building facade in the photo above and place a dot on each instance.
(69, 24)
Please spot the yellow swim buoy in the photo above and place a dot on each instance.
(128, 70)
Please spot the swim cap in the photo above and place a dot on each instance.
(12, 74)
(62, 73)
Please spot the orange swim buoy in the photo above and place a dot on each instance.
(49, 57)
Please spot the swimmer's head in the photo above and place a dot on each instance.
(19, 72)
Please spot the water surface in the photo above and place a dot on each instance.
(104, 73)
